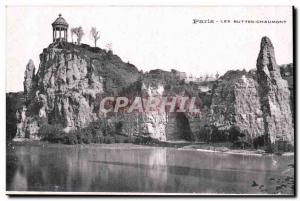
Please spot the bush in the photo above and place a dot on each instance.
(95, 125)
(86, 135)
(51, 133)
(54, 134)
(70, 139)
(83, 135)
(97, 136)
(137, 141)
(107, 140)
(145, 140)
(235, 134)
(117, 139)
(241, 142)
(259, 142)
(279, 147)
(101, 139)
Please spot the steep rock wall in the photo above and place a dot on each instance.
(72, 79)
(235, 102)
(258, 102)
(274, 96)
(67, 83)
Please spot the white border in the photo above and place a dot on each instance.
(4, 3)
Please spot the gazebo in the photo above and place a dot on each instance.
(60, 29)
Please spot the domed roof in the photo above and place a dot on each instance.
(60, 21)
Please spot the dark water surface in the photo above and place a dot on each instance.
(134, 168)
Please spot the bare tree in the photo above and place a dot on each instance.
(72, 33)
(78, 31)
(217, 75)
(95, 34)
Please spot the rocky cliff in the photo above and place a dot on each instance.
(72, 79)
(235, 102)
(67, 84)
(287, 73)
(258, 102)
(274, 96)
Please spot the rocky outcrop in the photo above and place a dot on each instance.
(255, 102)
(29, 79)
(274, 96)
(287, 73)
(160, 125)
(68, 83)
(72, 79)
(235, 102)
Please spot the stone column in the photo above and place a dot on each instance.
(55, 34)
(59, 33)
(64, 34)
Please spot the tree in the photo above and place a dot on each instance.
(217, 75)
(78, 31)
(95, 34)
(72, 33)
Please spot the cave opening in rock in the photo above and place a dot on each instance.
(181, 128)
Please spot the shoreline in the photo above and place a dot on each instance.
(210, 148)
(241, 152)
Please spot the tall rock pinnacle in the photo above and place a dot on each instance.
(274, 96)
(266, 62)
(29, 78)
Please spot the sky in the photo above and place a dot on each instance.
(153, 37)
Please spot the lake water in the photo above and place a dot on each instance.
(135, 168)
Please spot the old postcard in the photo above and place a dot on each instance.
(150, 100)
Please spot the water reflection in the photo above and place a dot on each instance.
(138, 169)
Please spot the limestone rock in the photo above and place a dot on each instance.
(73, 79)
(287, 73)
(256, 102)
(235, 102)
(29, 79)
(68, 83)
(274, 96)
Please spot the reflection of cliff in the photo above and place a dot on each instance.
(140, 169)
(88, 169)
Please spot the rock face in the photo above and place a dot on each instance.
(66, 88)
(256, 102)
(287, 73)
(235, 102)
(72, 79)
(29, 82)
(163, 126)
(274, 96)
(68, 83)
